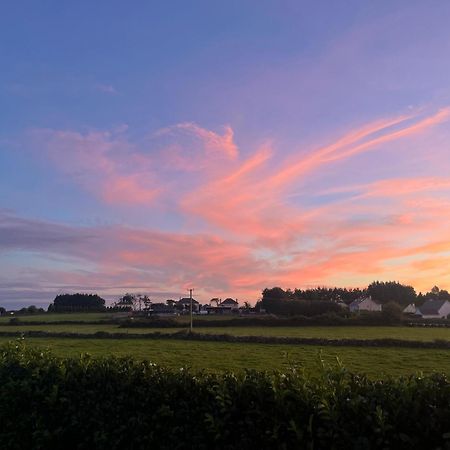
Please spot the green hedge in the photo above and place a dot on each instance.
(196, 336)
(51, 403)
(363, 319)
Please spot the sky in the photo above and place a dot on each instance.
(155, 146)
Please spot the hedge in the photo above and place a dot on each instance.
(194, 336)
(120, 403)
(363, 319)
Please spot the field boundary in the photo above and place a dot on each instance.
(183, 335)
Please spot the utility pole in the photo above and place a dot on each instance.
(190, 298)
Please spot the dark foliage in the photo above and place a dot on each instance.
(30, 310)
(278, 301)
(320, 293)
(50, 403)
(77, 302)
(392, 313)
(332, 319)
(437, 294)
(391, 292)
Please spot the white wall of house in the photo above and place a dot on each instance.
(410, 309)
(365, 305)
(442, 313)
(445, 310)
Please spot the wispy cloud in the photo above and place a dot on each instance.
(106, 88)
(240, 227)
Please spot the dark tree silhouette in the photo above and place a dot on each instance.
(77, 302)
(391, 291)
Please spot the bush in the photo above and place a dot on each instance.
(77, 302)
(331, 318)
(392, 312)
(112, 403)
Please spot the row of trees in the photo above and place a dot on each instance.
(274, 300)
(132, 302)
(319, 293)
(322, 300)
(93, 302)
(77, 302)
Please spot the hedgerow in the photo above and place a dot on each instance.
(121, 403)
(330, 319)
(210, 337)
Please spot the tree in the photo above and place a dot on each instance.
(278, 301)
(391, 291)
(215, 300)
(437, 294)
(329, 294)
(392, 312)
(147, 303)
(31, 310)
(77, 302)
(127, 303)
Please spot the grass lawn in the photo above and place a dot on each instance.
(220, 356)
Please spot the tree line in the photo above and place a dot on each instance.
(321, 300)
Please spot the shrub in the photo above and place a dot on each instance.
(121, 403)
(392, 312)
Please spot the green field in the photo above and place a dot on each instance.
(352, 332)
(220, 356)
(61, 317)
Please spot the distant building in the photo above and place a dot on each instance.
(410, 309)
(228, 306)
(342, 304)
(162, 309)
(364, 304)
(434, 309)
(184, 305)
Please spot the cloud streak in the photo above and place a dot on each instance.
(239, 217)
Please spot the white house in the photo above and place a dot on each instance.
(434, 309)
(410, 309)
(228, 306)
(364, 304)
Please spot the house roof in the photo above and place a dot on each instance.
(409, 305)
(229, 301)
(431, 307)
(186, 301)
(360, 300)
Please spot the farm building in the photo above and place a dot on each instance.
(364, 304)
(434, 309)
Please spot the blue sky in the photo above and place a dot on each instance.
(119, 119)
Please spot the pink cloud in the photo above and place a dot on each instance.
(104, 163)
(192, 148)
(243, 229)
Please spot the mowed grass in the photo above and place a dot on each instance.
(338, 332)
(220, 356)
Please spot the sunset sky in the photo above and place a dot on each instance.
(227, 146)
